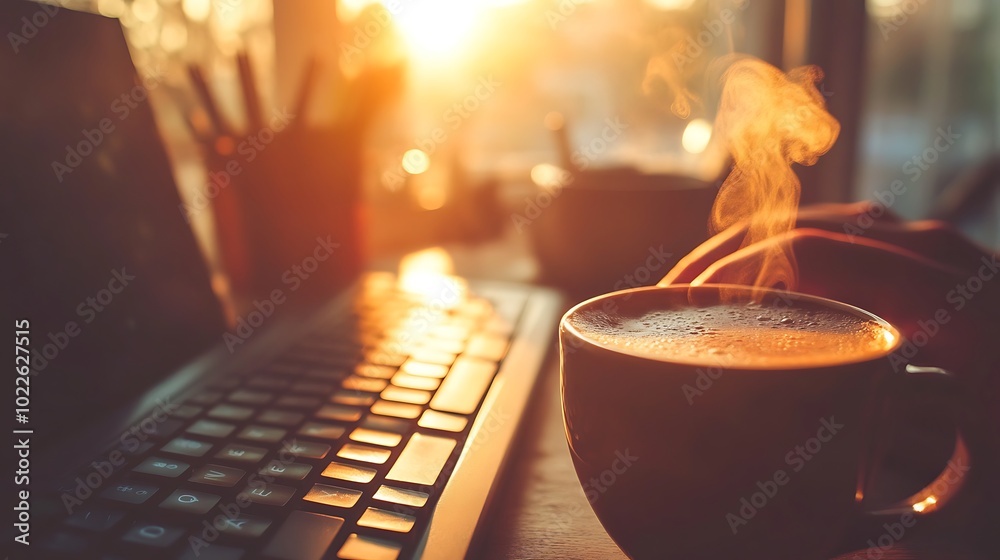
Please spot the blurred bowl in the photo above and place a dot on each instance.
(614, 228)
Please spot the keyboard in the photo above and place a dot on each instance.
(338, 446)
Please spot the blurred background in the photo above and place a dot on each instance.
(530, 129)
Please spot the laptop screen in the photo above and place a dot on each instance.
(94, 253)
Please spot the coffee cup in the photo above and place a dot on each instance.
(704, 425)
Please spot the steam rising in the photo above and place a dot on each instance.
(769, 120)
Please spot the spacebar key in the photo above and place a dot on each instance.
(304, 536)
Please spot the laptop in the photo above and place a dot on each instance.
(373, 426)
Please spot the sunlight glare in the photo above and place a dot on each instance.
(416, 161)
(427, 274)
(670, 4)
(434, 28)
(696, 136)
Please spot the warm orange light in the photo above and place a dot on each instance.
(546, 175)
(670, 4)
(924, 504)
(431, 195)
(890, 338)
(197, 10)
(415, 162)
(427, 274)
(696, 136)
(145, 10)
(884, 8)
(435, 28)
(111, 8)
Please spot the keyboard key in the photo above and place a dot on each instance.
(409, 381)
(205, 397)
(286, 471)
(153, 534)
(284, 369)
(487, 346)
(386, 424)
(269, 494)
(187, 447)
(431, 356)
(397, 409)
(333, 496)
(210, 428)
(352, 473)
(280, 417)
(307, 449)
(63, 543)
(376, 437)
(298, 402)
(230, 412)
(451, 332)
(246, 396)
(95, 519)
(268, 383)
(186, 411)
(363, 547)
(162, 467)
(131, 450)
(129, 492)
(425, 370)
(333, 373)
(339, 412)
(303, 536)
(162, 430)
(321, 431)
(244, 454)
(375, 371)
(381, 358)
(313, 387)
(364, 453)
(401, 496)
(368, 384)
(422, 459)
(262, 434)
(190, 501)
(444, 345)
(216, 475)
(225, 384)
(465, 386)
(386, 520)
(409, 396)
(434, 420)
(248, 526)
(213, 552)
(333, 362)
(354, 398)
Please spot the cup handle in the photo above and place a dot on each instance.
(948, 496)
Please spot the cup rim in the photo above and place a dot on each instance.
(565, 325)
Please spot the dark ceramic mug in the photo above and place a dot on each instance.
(770, 463)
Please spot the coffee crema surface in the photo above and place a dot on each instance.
(740, 335)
